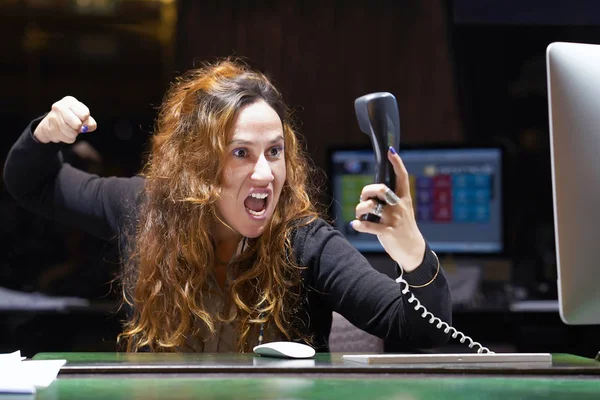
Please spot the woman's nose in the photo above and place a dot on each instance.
(262, 170)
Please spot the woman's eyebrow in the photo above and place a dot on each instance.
(250, 142)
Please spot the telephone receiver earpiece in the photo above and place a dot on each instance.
(378, 117)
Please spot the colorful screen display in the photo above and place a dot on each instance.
(456, 193)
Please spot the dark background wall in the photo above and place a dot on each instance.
(325, 54)
(462, 73)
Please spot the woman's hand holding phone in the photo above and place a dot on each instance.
(397, 229)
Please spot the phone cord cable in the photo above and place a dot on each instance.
(438, 322)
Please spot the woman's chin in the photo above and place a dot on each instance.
(254, 228)
(252, 233)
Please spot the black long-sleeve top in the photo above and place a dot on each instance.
(337, 277)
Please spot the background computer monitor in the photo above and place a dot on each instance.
(457, 196)
(573, 78)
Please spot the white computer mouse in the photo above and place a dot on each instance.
(285, 350)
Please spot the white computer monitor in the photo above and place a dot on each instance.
(573, 78)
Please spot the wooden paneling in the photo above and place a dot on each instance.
(325, 54)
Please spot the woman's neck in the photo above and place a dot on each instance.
(225, 250)
(225, 235)
(226, 243)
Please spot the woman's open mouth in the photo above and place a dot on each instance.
(256, 204)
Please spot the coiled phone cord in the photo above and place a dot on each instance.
(436, 321)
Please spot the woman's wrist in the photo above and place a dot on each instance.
(411, 261)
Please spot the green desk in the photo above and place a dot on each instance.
(244, 376)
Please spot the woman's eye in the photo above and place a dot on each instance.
(241, 153)
(275, 151)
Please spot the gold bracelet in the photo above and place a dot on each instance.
(434, 276)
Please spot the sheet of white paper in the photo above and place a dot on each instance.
(15, 387)
(15, 356)
(18, 376)
(41, 372)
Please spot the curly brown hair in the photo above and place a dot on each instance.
(172, 251)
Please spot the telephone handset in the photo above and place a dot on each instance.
(378, 117)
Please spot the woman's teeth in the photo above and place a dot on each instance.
(257, 213)
(257, 206)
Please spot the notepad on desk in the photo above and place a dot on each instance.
(443, 358)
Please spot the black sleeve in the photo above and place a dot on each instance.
(369, 299)
(36, 177)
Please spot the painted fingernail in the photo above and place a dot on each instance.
(84, 129)
(350, 225)
(392, 150)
